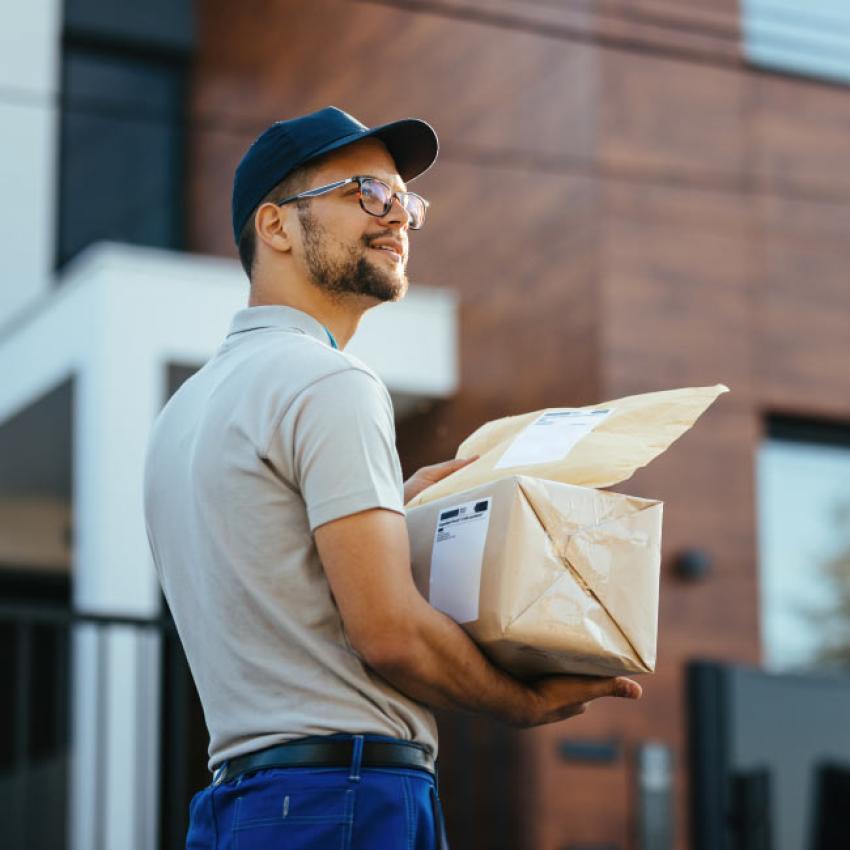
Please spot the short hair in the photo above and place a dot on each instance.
(294, 182)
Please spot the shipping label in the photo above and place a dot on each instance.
(551, 437)
(457, 558)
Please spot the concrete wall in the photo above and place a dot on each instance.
(29, 97)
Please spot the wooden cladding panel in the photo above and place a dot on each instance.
(802, 337)
(799, 130)
(676, 308)
(488, 92)
(480, 86)
(756, 273)
(663, 116)
(710, 35)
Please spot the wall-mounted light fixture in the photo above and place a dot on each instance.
(692, 564)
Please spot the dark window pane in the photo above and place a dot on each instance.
(122, 84)
(167, 24)
(122, 150)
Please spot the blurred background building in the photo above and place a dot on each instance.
(631, 195)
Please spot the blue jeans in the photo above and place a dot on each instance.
(320, 808)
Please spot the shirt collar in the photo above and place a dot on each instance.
(278, 316)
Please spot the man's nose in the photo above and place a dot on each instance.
(396, 214)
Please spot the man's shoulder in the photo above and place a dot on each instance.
(299, 361)
(342, 374)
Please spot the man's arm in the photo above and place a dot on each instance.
(418, 649)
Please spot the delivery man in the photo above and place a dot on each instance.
(274, 504)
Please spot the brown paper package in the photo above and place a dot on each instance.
(569, 578)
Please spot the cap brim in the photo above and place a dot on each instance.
(411, 142)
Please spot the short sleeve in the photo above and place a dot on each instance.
(337, 444)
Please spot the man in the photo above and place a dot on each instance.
(274, 503)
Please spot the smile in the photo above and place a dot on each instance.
(389, 251)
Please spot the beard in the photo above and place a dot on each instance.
(348, 271)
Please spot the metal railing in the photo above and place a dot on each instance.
(35, 658)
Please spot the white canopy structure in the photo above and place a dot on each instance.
(114, 324)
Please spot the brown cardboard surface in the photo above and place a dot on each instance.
(569, 578)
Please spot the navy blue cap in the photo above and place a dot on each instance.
(286, 145)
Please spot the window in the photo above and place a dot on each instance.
(811, 39)
(122, 150)
(803, 494)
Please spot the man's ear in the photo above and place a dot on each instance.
(274, 226)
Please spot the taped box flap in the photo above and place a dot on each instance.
(595, 446)
(612, 543)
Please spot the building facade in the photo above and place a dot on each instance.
(624, 201)
(629, 197)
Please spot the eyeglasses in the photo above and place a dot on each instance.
(376, 198)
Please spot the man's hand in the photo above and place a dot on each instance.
(429, 475)
(560, 697)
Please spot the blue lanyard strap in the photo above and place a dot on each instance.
(331, 338)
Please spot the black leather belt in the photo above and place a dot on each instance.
(328, 754)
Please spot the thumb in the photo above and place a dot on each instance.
(616, 687)
(626, 688)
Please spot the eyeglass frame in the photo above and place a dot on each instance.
(338, 184)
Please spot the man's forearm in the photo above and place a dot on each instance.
(435, 662)
(421, 651)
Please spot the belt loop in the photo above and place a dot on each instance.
(356, 758)
(218, 774)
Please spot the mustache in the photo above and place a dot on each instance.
(373, 237)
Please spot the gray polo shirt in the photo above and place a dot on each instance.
(277, 434)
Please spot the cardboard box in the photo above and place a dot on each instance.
(546, 573)
(546, 577)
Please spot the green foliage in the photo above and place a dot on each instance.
(835, 651)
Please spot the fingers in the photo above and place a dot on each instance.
(447, 467)
(458, 462)
(623, 688)
(564, 713)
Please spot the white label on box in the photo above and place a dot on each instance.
(457, 557)
(552, 436)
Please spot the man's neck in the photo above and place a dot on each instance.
(340, 316)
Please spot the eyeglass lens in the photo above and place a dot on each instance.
(377, 198)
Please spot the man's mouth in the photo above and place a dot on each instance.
(392, 249)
